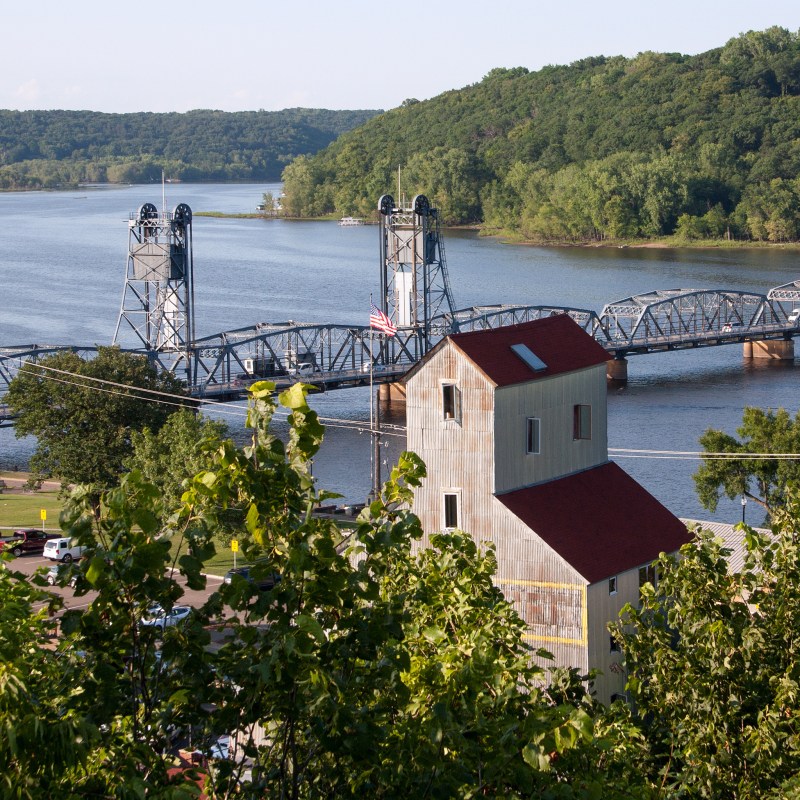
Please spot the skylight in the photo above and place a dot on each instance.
(529, 357)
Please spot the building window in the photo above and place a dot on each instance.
(647, 575)
(612, 585)
(451, 510)
(451, 402)
(582, 422)
(613, 644)
(618, 697)
(532, 435)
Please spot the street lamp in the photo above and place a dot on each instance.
(744, 506)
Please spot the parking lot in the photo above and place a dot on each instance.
(29, 564)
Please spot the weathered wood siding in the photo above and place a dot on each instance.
(552, 401)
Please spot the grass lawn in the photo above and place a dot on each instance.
(23, 510)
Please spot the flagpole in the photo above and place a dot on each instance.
(371, 418)
(380, 320)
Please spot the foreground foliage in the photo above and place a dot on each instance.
(366, 669)
(714, 667)
(369, 668)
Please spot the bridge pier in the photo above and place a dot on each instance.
(392, 393)
(617, 369)
(777, 349)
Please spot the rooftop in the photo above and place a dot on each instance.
(558, 344)
(601, 521)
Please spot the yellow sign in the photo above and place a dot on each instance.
(235, 545)
(43, 514)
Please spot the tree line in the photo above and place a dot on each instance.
(46, 149)
(368, 668)
(663, 144)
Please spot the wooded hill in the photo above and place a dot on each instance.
(42, 149)
(661, 144)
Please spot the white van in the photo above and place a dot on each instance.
(794, 316)
(62, 549)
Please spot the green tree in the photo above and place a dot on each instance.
(763, 480)
(169, 457)
(32, 691)
(713, 666)
(369, 669)
(84, 427)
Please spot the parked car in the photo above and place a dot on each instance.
(157, 617)
(264, 583)
(53, 576)
(25, 540)
(62, 548)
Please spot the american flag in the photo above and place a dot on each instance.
(379, 321)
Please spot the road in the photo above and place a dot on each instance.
(28, 564)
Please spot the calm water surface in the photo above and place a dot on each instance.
(62, 266)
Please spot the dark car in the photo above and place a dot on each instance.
(264, 583)
(26, 540)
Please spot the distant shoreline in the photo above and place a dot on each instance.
(654, 244)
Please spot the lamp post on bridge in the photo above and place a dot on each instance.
(744, 507)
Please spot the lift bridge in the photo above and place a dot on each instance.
(157, 316)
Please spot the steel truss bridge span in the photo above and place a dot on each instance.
(333, 356)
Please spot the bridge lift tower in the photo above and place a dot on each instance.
(157, 311)
(415, 286)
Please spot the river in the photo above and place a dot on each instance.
(62, 266)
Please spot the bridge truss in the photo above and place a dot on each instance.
(157, 316)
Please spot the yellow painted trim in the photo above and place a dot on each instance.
(581, 587)
(544, 584)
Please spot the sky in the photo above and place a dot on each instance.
(246, 55)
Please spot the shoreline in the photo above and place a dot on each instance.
(506, 238)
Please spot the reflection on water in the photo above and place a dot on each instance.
(62, 262)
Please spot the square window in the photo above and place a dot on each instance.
(532, 435)
(451, 402)
(450, 510)
(612, 585)
(647, 575)
(582, 422)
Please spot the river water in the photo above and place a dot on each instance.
(62, 267)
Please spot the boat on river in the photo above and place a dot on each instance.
(349, 222)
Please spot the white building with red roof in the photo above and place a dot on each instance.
(511, 424)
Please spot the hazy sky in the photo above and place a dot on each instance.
(107, 55)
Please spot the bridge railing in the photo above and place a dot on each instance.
(685, 316)
(346, 355)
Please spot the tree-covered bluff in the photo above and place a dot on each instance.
(605, 148)
(45, 149)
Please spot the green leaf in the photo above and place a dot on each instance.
(95, 570)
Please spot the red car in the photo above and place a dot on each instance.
(28, 540)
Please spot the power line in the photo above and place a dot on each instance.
(230, 409)
(620, 452)
(218, 406)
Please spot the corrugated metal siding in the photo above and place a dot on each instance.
(547, 593)
(552, 401)
(456, 454)
(485, 453)
(731, 539)
(605, 608)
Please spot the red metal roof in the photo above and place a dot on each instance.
(600, 521)
(558, 341)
